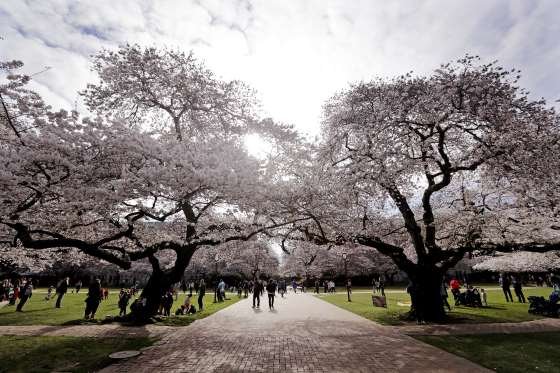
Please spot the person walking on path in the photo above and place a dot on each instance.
(282, 287)
(518, 288)
(61, 289)
(26, 293)
(271, 290)
(505, 283)
(93, 299)
(257, 289)
(317, 286)
(444, 295)
(246, 289)
(201, 293)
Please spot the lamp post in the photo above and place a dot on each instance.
(345, 257)
(216, 279)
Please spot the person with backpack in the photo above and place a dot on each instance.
(271, 290)
(61, 289)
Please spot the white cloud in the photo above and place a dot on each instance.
(295, 53)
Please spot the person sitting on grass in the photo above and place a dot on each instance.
(472, 297)
(124, 297)
(186, 308)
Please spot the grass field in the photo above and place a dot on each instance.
(62, 354)
(37, 311)
(508, 353)
(498, 309)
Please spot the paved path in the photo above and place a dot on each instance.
(535, 326)
(303, 334)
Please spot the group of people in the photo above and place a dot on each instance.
(17, 290)
(472, 297)
(259, 287)
(506, 282)
(329, 286)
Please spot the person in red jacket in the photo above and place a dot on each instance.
(455, 285)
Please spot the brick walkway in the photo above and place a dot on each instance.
(303, 334)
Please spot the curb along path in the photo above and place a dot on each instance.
(534, 326)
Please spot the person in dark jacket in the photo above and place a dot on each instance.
(61, 289)
(167, 302)
(25, 294)
(505, 283)
(518, 288)
(257, 289)
(201, 293)
(271, 290)
(124, 297)
(93, 299)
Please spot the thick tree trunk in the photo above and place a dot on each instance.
(158, 283)
(425, 294)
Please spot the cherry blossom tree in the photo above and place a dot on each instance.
(308, 260)
(247, 259)
(158, 173)
(520, 261)
(427, 169)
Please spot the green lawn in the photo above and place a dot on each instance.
(37, 311)
(498, 309)
(62, 354)
(511, 353)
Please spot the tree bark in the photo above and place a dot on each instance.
(425, 294)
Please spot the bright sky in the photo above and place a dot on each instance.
(295, 53)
